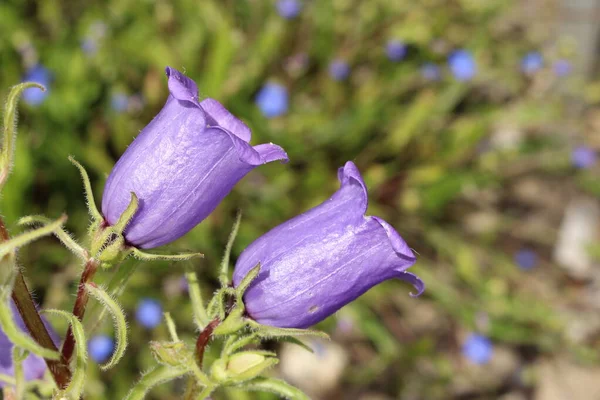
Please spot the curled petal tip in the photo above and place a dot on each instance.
(414, 280)
(181, 87)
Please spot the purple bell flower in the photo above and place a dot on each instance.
(395, 50)
(34, 366)
(339, 70)
(462, 65)
(38, 74)
(478, 349)
(289, 9)
(272, 99)
(319, 261)
(583, 157)
(182, 164)
(532, 62)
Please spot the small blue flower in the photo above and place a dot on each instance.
(289, 9)
(526, 259)
(100, 348)
(339, 70)
(562, 67)
(478, 349)
(38, 74)
(462, 65)
(396, 50)
(532, 62)
(583, 157)
(149, 313)
(119, 102)
(430, 72)
(272, 100)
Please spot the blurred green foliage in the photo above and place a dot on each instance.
(432, 153)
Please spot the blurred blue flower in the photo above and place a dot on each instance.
(89, 46)
(149, 313)
(562, 67)
(583, 157)
(100, 348)
(478, 348)
(289, 9)
(430, 72)
(532, 62)
(119, 102)
(339, 70)
(396, 50)
(462, 65)
(272, 100)
(526, 259)
(38, 74)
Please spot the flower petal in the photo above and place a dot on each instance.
(217, 115)
(350, 175)
(398, 244)
(181, 87)
(414, 280)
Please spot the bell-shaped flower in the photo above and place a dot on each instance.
(182, 164)
(34, 366)
(319, 261)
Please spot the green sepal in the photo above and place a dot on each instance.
(9, 132)
(242, 367)
(245, 283)
(276, 386)
(266, 331)
(89, 194)
(234, 322)
(127, 215)
(62, 235)
(155, 376)
(224, 274)
(141, 255)
(234, 343)
(13, 244)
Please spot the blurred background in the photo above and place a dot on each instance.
(474, 122)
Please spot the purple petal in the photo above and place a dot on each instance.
(217, 115)
(181, 87)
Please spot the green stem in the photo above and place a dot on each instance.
(156, 376)
(200, 314)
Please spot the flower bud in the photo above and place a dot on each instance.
(181, 166)
(315, 263)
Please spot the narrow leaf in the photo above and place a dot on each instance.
(60, 233)
(245, 283)
(154, 377)
(200, 315)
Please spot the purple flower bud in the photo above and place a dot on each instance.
(430, 72)
(34, 366)
(38, 74)
(562, 67)
(339, 70)
(149, 313)
(583, 157)
(182, 164)
(319, 261)
(478, 348)
(526, 259)
(100, 348)
(395, 50)
(532, 62)
(462, 65)
(272, 100)
(289, 9)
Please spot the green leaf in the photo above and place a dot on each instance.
(276, 386)
(119, 321)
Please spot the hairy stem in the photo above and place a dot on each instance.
(26, 307)
(91, 266)
(203, 339)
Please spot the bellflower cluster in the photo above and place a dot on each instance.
(34, 366)
(181, 166)
(462, 65)
(38, 74)
(319, 261)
